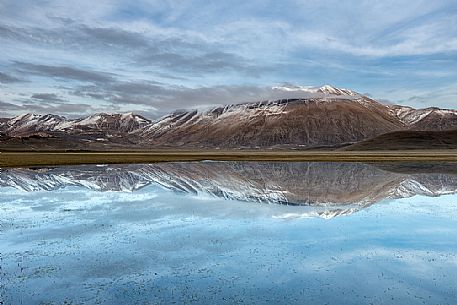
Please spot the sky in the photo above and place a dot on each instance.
(76, 58)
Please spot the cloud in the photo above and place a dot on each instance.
(6, 79)
(8, 106)
(68, 108)
(215, 61)
(27, 107)
(116, 37)
(65, 72)
(441, 97)
(123, 92)
(47, 97)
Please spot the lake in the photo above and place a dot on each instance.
(229, 233)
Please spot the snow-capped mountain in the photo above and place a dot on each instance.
(316, 117)
(26, 123)
(30, 123)
(314, 121)
(431, 118)
(329, 189)
(127, 122)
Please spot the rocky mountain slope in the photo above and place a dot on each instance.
(324, 117)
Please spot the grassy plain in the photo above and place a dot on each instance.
(28, 159)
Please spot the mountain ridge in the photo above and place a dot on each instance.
(326, 117)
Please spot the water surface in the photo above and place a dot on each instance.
(228, 233)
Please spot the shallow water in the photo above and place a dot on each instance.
(228, 233)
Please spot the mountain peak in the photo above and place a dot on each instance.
(317, 92)
(24, 116)
(32, 117)
(327, 89)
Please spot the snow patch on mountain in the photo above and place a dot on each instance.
(319, 92)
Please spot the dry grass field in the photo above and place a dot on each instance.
(23, 159)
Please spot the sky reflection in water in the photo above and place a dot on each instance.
(229, 232)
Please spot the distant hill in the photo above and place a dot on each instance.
(410, 139)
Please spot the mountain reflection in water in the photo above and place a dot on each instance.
(327, 189)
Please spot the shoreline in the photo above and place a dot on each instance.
(46, 158)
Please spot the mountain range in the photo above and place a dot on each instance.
(324, 118)
(314, 188)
